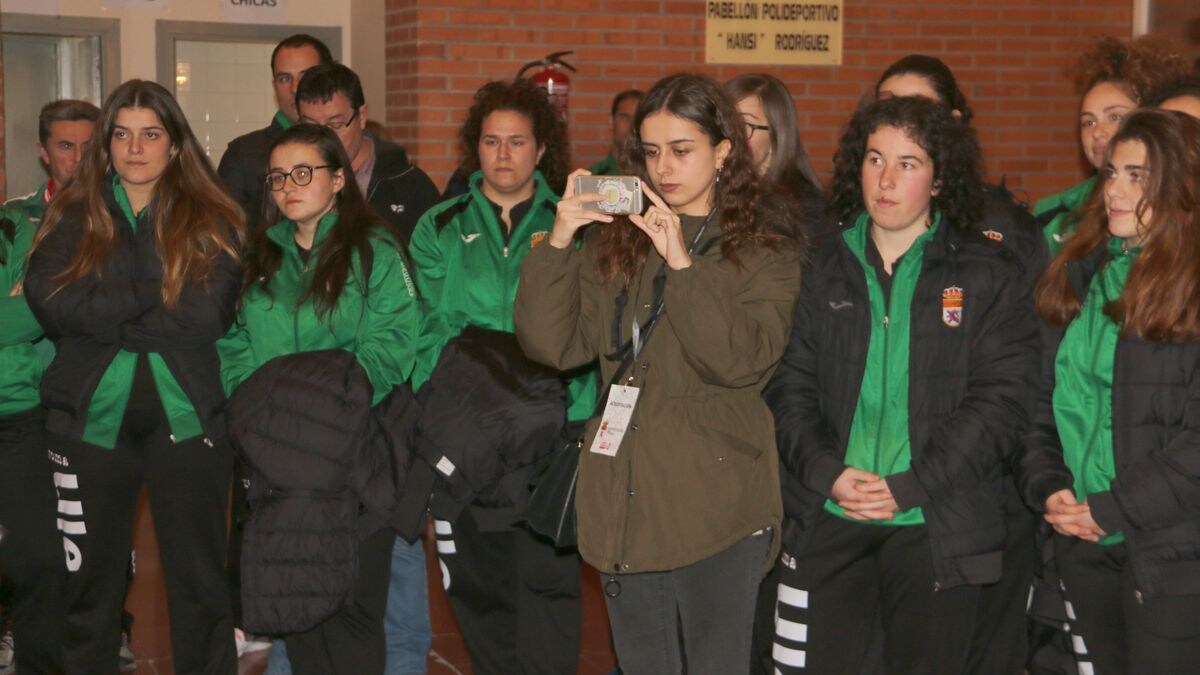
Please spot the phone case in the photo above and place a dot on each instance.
(622, 194)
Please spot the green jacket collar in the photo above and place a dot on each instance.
(282, 120)
(123, 201)
(284, 232)
(1117, 248)
(856, 236)
(1076, 196)
(541, 191)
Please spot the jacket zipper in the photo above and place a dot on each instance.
(618, 565)
(883, 398)
(296, 314)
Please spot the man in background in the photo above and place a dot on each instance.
(64, 129)
(244, 165)
(624, 105)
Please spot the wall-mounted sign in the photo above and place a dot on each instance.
(255, 11)
(131, 4)
(764, 32)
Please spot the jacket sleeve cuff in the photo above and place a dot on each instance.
(823, 473)
(1042, 490)
(1106, 513)
(549, 254)
(907, 490)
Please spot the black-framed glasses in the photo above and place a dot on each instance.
(339, 125)
(755, 127)
(301, 175)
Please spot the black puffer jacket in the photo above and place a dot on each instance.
(325, 468)
(1155, 498)
(1011, 224)
(399, 191)
(971, 390)
(243, 169)
(119, 307)
(488, 414)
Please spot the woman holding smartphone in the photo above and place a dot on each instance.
(134, 275)
(911, 367)
(1113, 458)
(680, 514)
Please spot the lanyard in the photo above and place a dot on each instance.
(641, 333)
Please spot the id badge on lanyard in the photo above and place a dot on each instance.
(615, 421)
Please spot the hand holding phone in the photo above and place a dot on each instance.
(622, 195)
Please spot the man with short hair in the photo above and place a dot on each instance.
(400, 193)
(244, 165)
(1181, 95)
(64, 129)
(624, 105)
(397, 190)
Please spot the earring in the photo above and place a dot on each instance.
(718, 178)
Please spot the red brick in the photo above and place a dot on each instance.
(1010, 56)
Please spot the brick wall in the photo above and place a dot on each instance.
(1180, 21)
(1009, 55)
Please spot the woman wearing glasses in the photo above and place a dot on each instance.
(328, 275)
(134, 276)
(769, 113)
(779, 157)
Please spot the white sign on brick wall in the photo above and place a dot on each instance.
(255, 11)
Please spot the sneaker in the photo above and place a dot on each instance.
(127, 663)
(7, 655)
(247, 643)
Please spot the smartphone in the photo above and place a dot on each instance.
(622, 194)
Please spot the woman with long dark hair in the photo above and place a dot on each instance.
(773, 134)
(1113, 458)
(769, 114)
(329, 274)
(911, 365)
(1113, 78)
(691, 301)
(134, 276)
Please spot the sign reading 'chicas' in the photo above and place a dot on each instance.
(764, 32)
(255, 11)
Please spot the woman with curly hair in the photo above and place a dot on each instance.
(1113, 78)
(689, 305)
(911, 366)
(134, 275)
(1113, 457)
(515, 597)
(1002, 606)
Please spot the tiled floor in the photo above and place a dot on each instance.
(151, 638)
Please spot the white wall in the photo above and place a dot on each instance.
(362, 23)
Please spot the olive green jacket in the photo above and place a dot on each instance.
(697, 470)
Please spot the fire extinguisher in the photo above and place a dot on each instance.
(553, 79)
